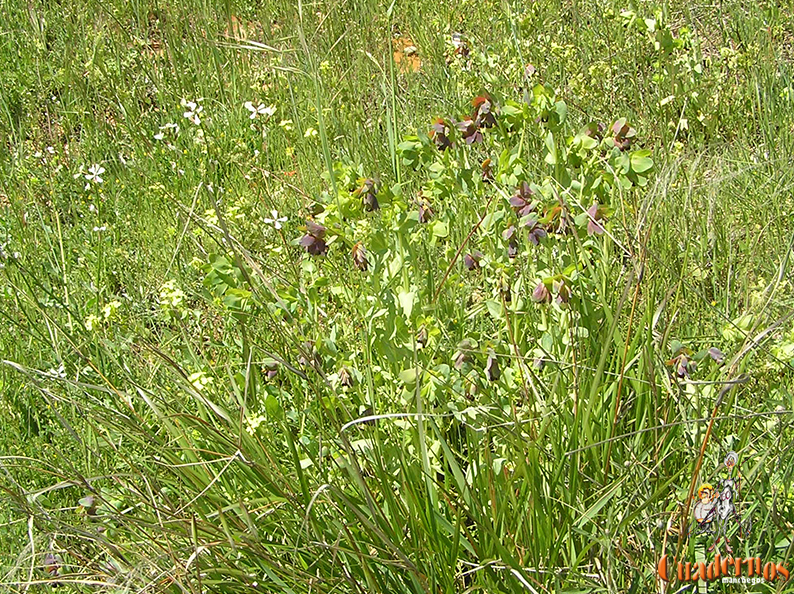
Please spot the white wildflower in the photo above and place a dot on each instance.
(94, 173)
(193, 109)
(261, 109)
(276, 220)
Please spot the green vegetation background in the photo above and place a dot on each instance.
(179, 379)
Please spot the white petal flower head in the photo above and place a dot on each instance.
(94, 173)
(193, 111)
(276, 221)
(261, 109)
(159, 136)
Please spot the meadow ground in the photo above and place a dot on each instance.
(421, 297)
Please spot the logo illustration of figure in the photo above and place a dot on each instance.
(715, 510)
(706, 508)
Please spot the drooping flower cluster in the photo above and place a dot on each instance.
(314, 240)
(439, 132)
(483, 114)
(469, 127)
(368, 191)
(523, 201)
(360, 257)
(623, 134)
(469, 130)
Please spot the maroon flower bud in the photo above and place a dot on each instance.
(439, 132)
(360, 257)
(345, 379)
(563, 291)
(368, 193)
(487, 171)
(472, 260)
(541, 293)
(462, 355)
(483, 114)
(492, 371)
(314, 241)
(421, 338)
(594, 215)
(425, 212)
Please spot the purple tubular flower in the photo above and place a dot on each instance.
(492, 371)
(541, 293)
(469, 130)
(536, 231)
(314, 240)
(472, 260)
(522, 201)
(717, 355)
(594, 215)
(510, 236)
(439, 132)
